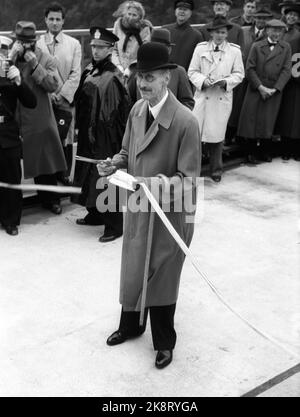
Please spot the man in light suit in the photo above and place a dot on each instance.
(161, 146)
(67, 53)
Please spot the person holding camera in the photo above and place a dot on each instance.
(12, 89)
(42, 149)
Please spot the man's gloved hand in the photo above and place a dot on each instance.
(106, 168)
(14, 75)
(31, 58)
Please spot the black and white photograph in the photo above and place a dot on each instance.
(149, 202)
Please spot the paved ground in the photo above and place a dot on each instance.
(59, 300)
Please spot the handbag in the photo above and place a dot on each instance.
(63, 120)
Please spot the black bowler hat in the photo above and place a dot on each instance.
(188, 4)
(162, 36)
(25, 31)
(263, 12)
(293, 8)
(102, 37)
(152, 56)
(219, 22)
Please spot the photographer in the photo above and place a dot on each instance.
(12, 88)
(43, 153)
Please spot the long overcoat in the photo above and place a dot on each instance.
(273, 70)
(102, 107)
(288, 123)
(213, 105)
(42, 149)
(171, 148)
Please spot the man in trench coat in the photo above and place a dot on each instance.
(161, 145)
(268, 69)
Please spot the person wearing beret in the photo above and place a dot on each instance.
(102, 107)
(179, 82)
(161, 147)
(292, 14)
(183, 35)
(43, 154)
(288, 123)
(268, 70)
(215, 70)
(246, 19)
(12, 89)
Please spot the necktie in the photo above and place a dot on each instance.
(216, 49)
(149, 119)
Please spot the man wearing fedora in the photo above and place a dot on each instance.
(215, 70)
(161, 146)
(183, 35)
(12, 89)
(43, 154)
(102, 107)
(235, 34)
(179, 82)
(268, 70)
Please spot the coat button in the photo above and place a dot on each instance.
(206, 98)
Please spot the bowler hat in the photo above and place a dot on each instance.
(152, 56)
(262, 12)
(162, 36)
(103, 37)
(25, 31)
(276, 23)
(225, 1)
(188, 4)
(219, 22)
(292, 8)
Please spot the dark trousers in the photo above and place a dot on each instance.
(68, 151)
(260, 148)
(47, 198)
(113, 221)
(290, 147)
(10, 200)
(162, 325)
(215, 158)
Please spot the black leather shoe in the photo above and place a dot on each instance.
(267, 158)
(109, 237)
(54, 208)
(12, 230)
(116, 338)
(86, 222)
(252, 159)
(216, 178)
(163, 358)
(286, 158)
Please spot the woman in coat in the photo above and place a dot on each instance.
(216, 68)
(132, 31)
(288, 123)
(42, 149)
(268, 69)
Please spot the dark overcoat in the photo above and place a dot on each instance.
(288, 123)
(271, 69)
(102, 108)
(171, 148)
(42, 149)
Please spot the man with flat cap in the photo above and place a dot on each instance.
(179, 82)
(102, 107)
(268, 70)
(183, 35)
(161, 146)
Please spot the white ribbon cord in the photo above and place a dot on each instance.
(37, 187)
(189, 255)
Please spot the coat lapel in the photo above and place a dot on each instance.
(163, 119)
(276, 51)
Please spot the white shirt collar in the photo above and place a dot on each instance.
(157, 108)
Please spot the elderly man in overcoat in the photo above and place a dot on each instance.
(215, 70)
(43, 154)
(288, 123)
(268, 69)
(161, 146)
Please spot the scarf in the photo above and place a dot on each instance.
(130, 31)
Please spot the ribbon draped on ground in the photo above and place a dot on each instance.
(37, 187)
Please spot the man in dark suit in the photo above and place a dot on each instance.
(12, 88)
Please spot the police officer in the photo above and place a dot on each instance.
(12, 88)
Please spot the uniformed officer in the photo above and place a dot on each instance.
(12, 88)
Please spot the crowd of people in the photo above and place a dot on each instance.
(238, 76)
